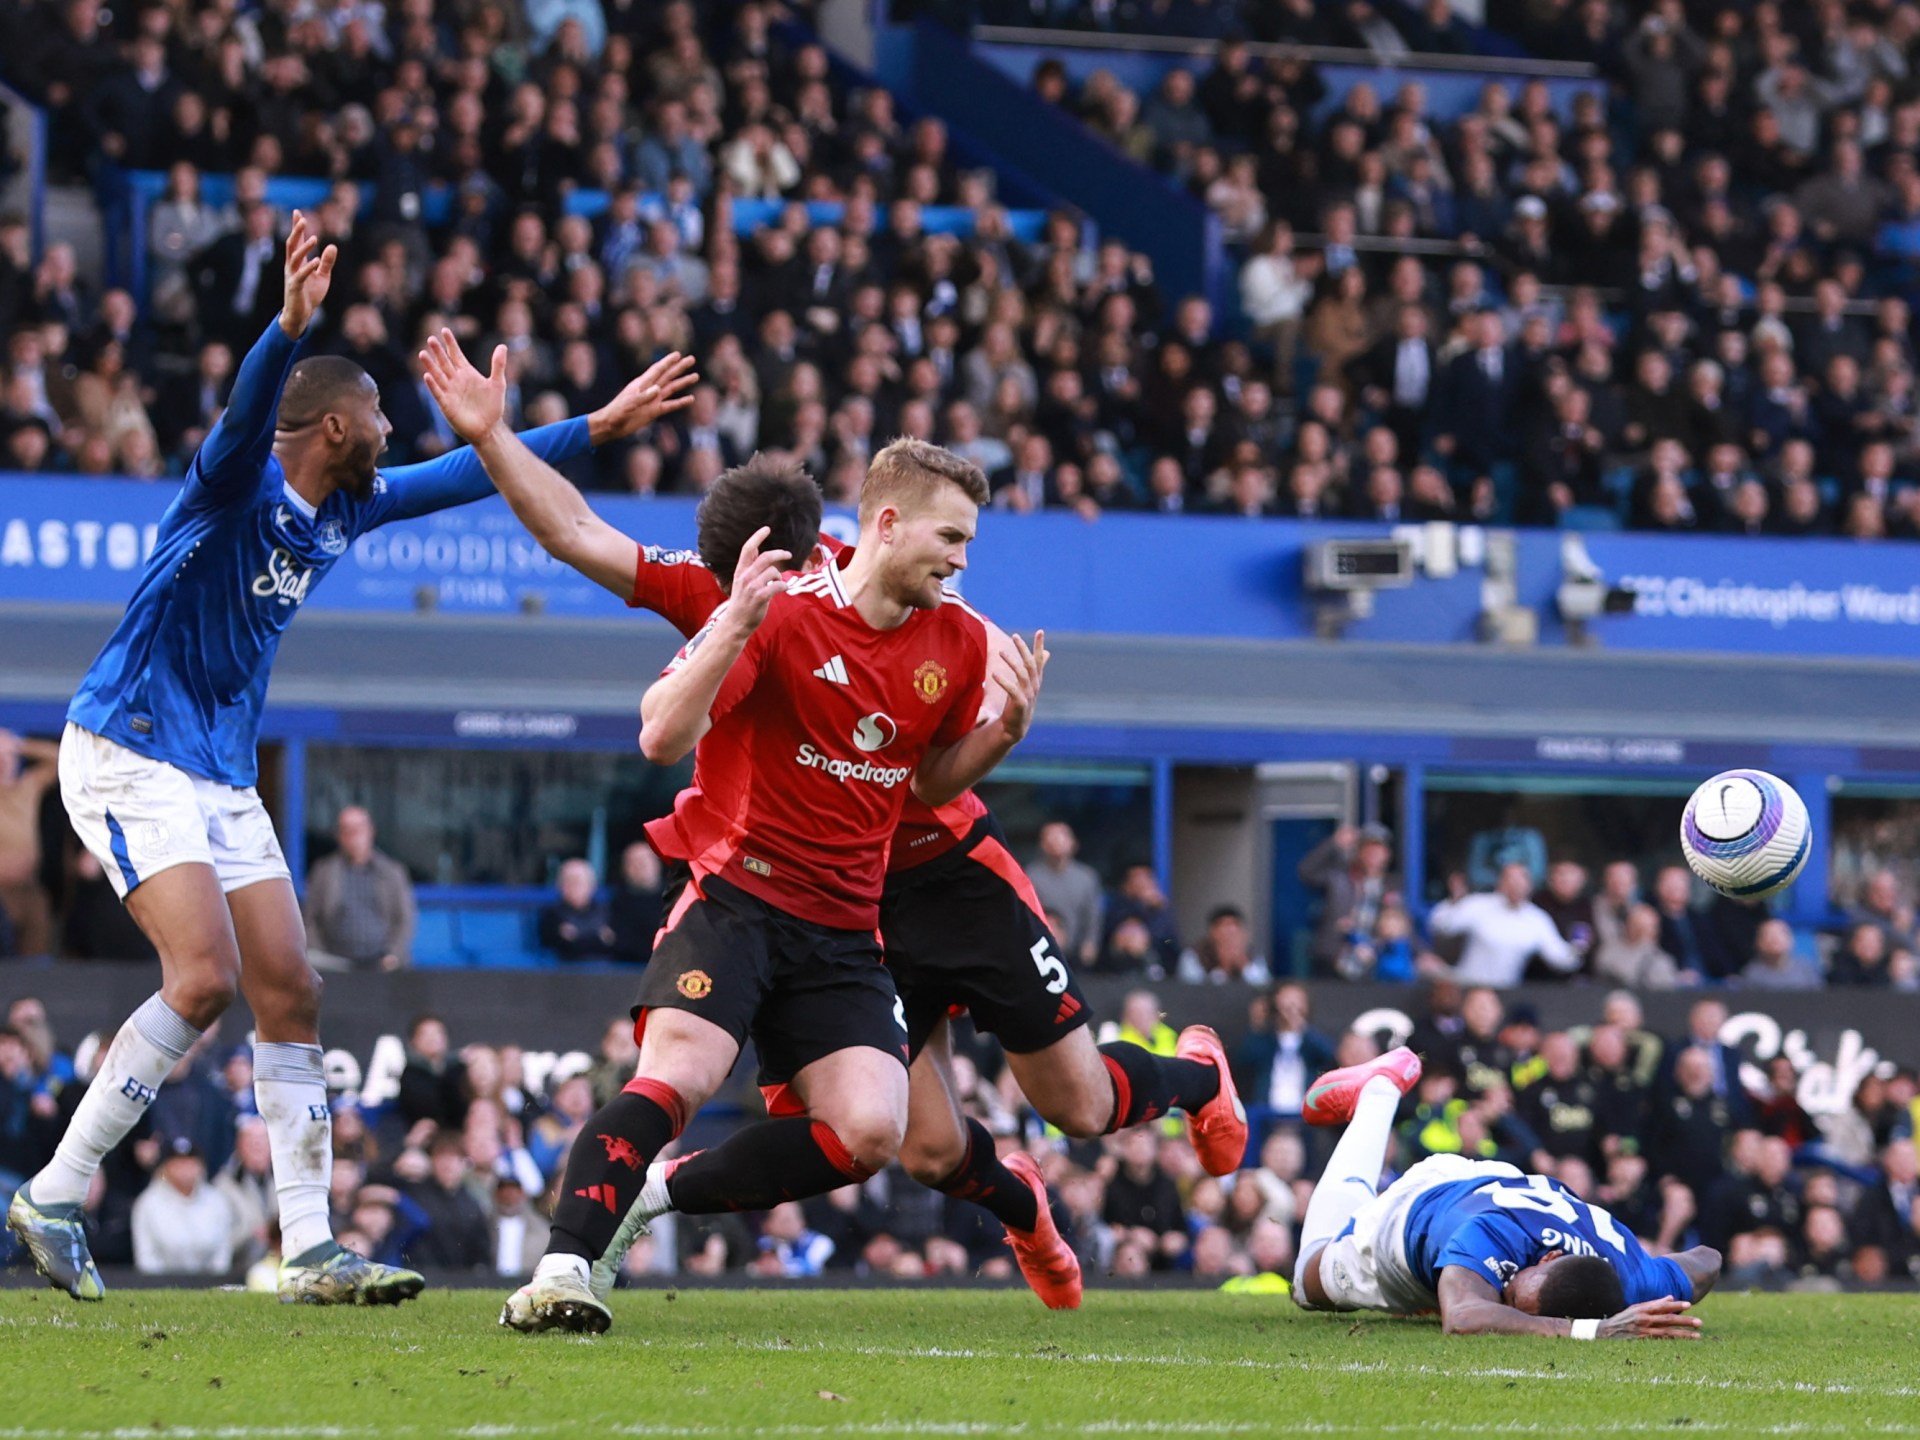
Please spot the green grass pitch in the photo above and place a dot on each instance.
(826, 1363)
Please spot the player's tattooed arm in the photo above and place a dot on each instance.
(678, 707)
(1470, 1306)
(947, 773)
(1702, 1264)
(542, 499)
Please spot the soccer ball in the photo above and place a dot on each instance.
(1746, 834)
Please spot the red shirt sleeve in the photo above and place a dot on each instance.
(745, 669)
(675, 586)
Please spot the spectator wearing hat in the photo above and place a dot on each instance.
(181, 1224)
(1351, 869)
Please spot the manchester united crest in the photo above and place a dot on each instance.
(930, 681)
(695, 985)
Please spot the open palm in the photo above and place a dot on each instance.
(473, 403)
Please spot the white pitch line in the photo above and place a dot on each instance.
(1351, 1367)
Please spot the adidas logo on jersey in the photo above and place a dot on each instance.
(834, 672)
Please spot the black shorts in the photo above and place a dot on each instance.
(799, 991)
(966, 929)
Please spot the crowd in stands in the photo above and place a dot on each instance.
(455, 1170)
(1683, 296)
(1679, 298)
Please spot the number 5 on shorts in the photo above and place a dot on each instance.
(1053, 970)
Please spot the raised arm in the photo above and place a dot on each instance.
(546, 502)
(678, 707)
(235, 451)
(947, 773)
(1470, 1306)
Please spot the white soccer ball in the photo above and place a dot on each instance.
(1746, 834)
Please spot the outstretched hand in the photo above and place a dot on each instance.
(756, 580)
(473, 403)
(666, 386)
(308, 277)
(1665, 1319)
(1019, 679)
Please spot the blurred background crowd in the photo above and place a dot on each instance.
(1680, 304)
(454, 1169)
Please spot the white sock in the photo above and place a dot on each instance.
(1353, 1171)
(654, 1200)
(290, 1087)
(560, 1267)
(147, 1047)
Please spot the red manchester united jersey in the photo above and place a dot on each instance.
(675, 585)
(817, 730)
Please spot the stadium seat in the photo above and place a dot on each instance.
(1589, 517)
(434, 944)
(486, 933)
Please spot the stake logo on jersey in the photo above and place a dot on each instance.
(285, 578)
(183, 679)
(1498, 1228)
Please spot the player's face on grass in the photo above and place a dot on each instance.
(1522, 1292)
(926, 544)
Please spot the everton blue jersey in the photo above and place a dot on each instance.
(1497, 1227)
(184, 676)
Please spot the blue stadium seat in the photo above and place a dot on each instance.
(1589, 517)
(434, 944)
(487, 932)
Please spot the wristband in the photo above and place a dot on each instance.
(1585, 1330)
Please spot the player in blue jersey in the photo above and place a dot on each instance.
(1494, 1251)
(157, 766)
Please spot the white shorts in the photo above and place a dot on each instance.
(140, 816)
(1366, 1269)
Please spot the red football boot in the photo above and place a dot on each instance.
(1219, 1130)
(1331, 1098)
(1046, 1260)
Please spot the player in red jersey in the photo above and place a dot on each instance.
(797, 789)
(959, 922)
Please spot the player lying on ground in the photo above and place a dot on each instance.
(958, 918)
(798, 786)
(157, 767)
(1495, 1251)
